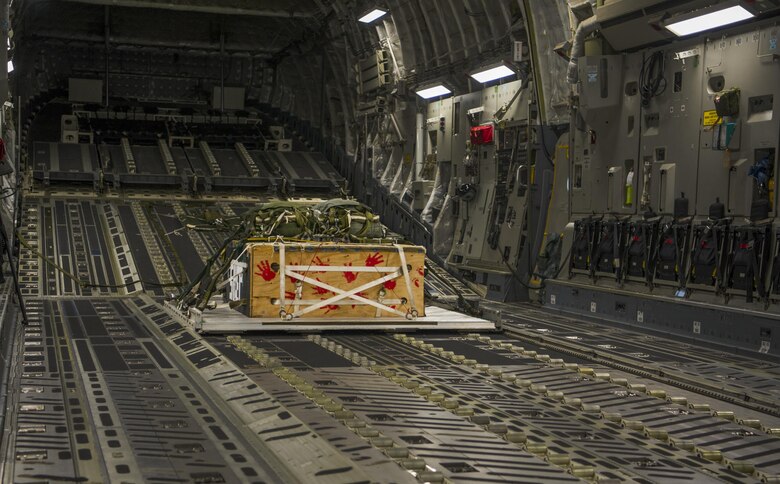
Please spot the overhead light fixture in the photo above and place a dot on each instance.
(433, 91)
(10, 66)
(492, 73)
(375, 14)
(710, 18)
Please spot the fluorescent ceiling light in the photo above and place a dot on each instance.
(709, 21)
(10, 66)
(435, 91)
(493, 74)
(375, 14)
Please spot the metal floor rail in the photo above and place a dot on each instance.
(107, 387)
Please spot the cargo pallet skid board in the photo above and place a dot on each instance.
(222, 319)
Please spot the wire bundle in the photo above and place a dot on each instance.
(651, 78)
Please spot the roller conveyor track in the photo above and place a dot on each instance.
(731, 377)
(97, 400)
(520, 396)
(107, 387)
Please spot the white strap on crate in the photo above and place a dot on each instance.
(405, 269)
(341, 296)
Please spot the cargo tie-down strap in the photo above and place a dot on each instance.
(302, 307)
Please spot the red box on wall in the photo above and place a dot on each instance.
(482, 135)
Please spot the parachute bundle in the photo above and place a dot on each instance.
(333, 220)
(347, 219)
(282, 219)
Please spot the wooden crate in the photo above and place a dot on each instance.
(348, 282)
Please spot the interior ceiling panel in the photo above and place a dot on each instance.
(266, 8)
(146, 27)
(629, 25)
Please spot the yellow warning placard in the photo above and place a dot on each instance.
(710, 118)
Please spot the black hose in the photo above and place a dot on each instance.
(651, 77)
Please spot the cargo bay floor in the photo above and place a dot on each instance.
(106, 387)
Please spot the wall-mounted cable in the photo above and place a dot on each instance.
(651, 78)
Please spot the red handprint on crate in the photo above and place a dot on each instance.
(350, 276)
(390, 285)
(331, 307)
(293, 267)
(320, 291)
(265, 271)
(421, 272)
(374, 260)
(316, 261)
